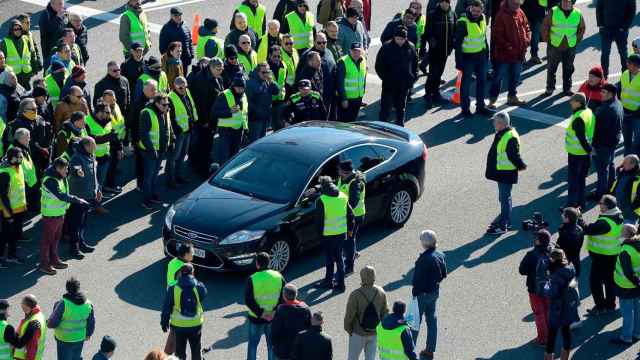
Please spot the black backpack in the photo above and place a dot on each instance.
(370, 317)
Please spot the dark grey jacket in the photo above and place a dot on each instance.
(85, 187)
(615, 14)
(259, 93)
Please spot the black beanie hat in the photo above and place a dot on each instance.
(230, 51)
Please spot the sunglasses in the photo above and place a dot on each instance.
(180, 87)
(289, 43)
(245, 42)
(321, 42)
(265, 72)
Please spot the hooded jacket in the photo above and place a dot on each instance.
(259, 95)
(510, 35)
(58, 310)
(593, 93)
(291, 317)
(312, 344)
(188, 302)
(85, 187)
(629, 272)
(51, 27)
(600, 227)
(529, 264)
(393, 321)
(389, 30)
(171, 32)
(359, 300)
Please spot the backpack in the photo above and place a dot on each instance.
(370, 317)
(542, 275)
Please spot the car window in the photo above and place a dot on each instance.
(364, 157)
(384, 153)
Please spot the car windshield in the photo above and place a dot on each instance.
(263, 175)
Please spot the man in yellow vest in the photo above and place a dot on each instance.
(8, 336)
(352, 183)
(183, 115)
(291, 59)
(72, 320)
(627, 280)
(562, 29)
(630, 98)
(152, 71)
(184, 255)
(209, 45)
(503, 164)
(279, 70)
(351, 79)
(246, 55)
(232, 111)
(272, 37)
(256, 15)
(54, 202)
(393, 336)
(300, 24)
(32, 331)
(99, 127)
(55, 81)
(263, 293)
(13, 204)
(603, 243)
(626, 188)
(17, 48)
(134, 27)
(183, 312)
(118, 123)
(578, 139)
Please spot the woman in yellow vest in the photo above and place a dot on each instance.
(32, 331)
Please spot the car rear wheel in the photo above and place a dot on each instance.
(280, 252)
(400, 206)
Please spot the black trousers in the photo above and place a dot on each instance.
(566, 338)
(139, 167)
(393, 95)
(76, 219)
(554, 58)
(601, 280)
(10, 233)
(350, 114)
(200, 147)
(229, 142)
(437, 63)
(191, 335)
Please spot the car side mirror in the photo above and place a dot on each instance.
(213, 169)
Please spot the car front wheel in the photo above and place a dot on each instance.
(280, 253)
(400, 207)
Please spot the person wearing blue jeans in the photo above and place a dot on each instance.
(606, 137)
(69, 350)
(255, 333)
(608, 36)
(176, 157)
(578, 140)
(628, 289)
(430, 270)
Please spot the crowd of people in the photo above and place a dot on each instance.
(62, 147)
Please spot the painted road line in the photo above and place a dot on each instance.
(172, 4)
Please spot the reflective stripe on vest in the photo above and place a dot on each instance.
(476, 39)
(618, 276)
(17, 195)
(138, 29)
(606, 244)
(502, 160)
(634, 192)
(267, 286)
(263, 49)
(254, 21)
(359, 210)
(53, 90)
(238, 119)
(630, 91)
(281, 78)
(98, 130)
(248, 62)
(182, 321)
(202, 46)
(154, 132)
(21, 64)
(21, 353)
(301, 33)
(163, 83)
(73, 326)
(390, 343)
(291, 62)
(174, 265)
(182, 115)
(5, 347)
(335, 214)
(295, 98)
(50, 205)
(564, 27)
(571, 143)
(355, 77)
(118, 123)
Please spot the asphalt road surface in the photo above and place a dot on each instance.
(483, 309)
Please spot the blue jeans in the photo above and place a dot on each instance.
(578, 166)
(255, 333)
(535, 35)
(427, 305)
(470, 66)
(630, 310)
(504, 70)
(604, 166)
(175, 159)
(333, 255)
(504, 196)
(631, 134)
(607, 36)
(102, 169)
(151, 170)
(69, 351)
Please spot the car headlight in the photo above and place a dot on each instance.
(242, 236)
(168, 219)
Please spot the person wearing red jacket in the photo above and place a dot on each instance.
(592, 87)
(31, 330)
(510, 39)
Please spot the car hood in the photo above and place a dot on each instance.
(219, 212)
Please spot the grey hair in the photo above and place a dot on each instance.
(502, 118)
(633, 158)
(20, 133)
(151, 82)
(180, 80)
(215, 62)
(23, 103)
(273, 22)
(628, 231)
(429, 239)
(5, 76)
(240, 15)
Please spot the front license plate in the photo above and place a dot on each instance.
(199, 253)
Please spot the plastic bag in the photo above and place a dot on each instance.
(413, 314)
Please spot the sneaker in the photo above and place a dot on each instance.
(485, 112)
(48, 270)
(515, 101)
(496, 230)
(60, 265)
(15, 260)
(86, 248)
(618, 341)
(147, 205)
(535, 60)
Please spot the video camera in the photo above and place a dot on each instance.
(535, 224)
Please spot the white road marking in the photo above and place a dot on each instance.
(168, 4)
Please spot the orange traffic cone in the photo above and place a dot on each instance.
(456, 96)
(194, 29)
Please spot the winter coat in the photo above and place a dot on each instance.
(608, 127)
(570, 240)
(230, 72)
(61, 141)
(397, 65)
(510, 35)
(529, 264)
(120, 87)
(51, 184)
(234, 35)
(290, 318)
(9, 102)
(312, 344)
(440, 28)
(358, 301)
(84, 187)
(51, 27)
(393, 321)
(172, 32)
(458, 39)
(593, 93)
(328, 64)
(188, 303)
(64, 110)
(533, 10)
(341, 73)
(316, 76)
(172, 67)
(430, 269)
(392, 26)
(82, 39)
(513, 153)
(205, 88)
(615, 14)
(58, 311)
(629, 272)
(259, 95)
(283, 8)
(562, 312)
(330, 10)
(132, 122)
(41, 135)
(365, 17)
(131, 70)
(308, 108)
(349, 34)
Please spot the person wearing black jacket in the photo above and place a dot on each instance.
(176, 30)
(503, 164)
(535, 13)
(328, 66)
(614, 18)
(578, 148)
(571, 236)
(305, 105)
(529, 268)
(230, 135)
(114, 80)
(313, 344)
(283, 8)
(181, 128)
(82, 37)
(291, 317)
(232, 67)
(40, 130)
(133, 126)
(622, 188)
(9, 336)
(397, 66)
(393, 321)
(628, 287)
(408, 21)
(51, 24)
(606, 137)
(133, 67)
(440, 26)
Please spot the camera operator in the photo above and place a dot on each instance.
(625, 188)
(571, 237)
(534, 261)
(604, 245)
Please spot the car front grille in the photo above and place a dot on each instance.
(195, 236)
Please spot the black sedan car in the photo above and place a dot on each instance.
(255, 202)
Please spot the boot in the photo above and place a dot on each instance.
(548, 356)
(564, 355)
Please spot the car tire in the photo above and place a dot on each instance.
(281, 253)
(400, 206)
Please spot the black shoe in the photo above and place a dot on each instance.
(25, 239)
(182, 180)
(485, 112)
(339, 288)
(438, 99)
(171, 185)
(567, 93)
(496, 230)
(86, 248)
(465, 114)
(547, 93)
(76, 254)
(324, 284)
(147, 205)
(618, 341)
(348, 270)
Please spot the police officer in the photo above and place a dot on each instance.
(562, 29)
(578, 138)
(209, 45)
(183, 114)
(13, 204)
(351, 78)
(256, 14)
(304, 105)
(352, 183)
(628, 287)
(73, 321)
(134, 27)
(231, 109)
(268, 40)
(263, 293)
(603, 243)
(183, 311)
(393, 336)
(630, 97)
(301, 25)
